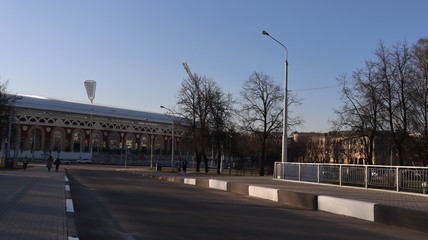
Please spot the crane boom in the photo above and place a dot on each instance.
(186, 67)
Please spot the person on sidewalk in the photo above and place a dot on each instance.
(57, 163)
(178, 165)
(25, 163)
(184, 166)
(49, 163)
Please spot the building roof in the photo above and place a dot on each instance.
(52, 104)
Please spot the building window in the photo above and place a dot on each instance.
(129, 141)
(158, 145)
(77, 142)
(96, 141)
(144, 144)
(113, 141)
(36, 140)
(57, 138)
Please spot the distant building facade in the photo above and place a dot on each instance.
(340, 147)
(74, 130)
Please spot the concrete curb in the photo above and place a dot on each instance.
(390, 215)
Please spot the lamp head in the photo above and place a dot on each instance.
(265, 33)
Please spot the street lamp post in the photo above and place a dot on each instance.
(285, 109)
(172, 142)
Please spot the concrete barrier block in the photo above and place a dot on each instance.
(263, 192)
(69, 205)
(298, 199)
(190, 181)
(240, 188)
(202, 182)
(351, 208)
(178, 179)
(218, 184)
(401, 217)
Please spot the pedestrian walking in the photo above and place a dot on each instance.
(177, 164)
(57, 163)
(184, 166)
(49, 163)
(25, 162)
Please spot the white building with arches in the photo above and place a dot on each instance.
(75, 130)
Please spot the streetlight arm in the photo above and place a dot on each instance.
(286, 50)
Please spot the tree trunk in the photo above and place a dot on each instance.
(206, 161)
(263, 158)
(198, 160)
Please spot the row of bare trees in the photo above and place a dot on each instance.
(389, 95)
(213, 115)
(206, 110)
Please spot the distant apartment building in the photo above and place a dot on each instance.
(341, 147)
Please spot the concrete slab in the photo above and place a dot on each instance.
(347, 207)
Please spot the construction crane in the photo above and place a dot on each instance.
(186, 67)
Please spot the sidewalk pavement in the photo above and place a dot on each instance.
(387, 207)
(33, 205)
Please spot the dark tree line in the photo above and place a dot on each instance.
(389, 95)
(206, 110)
(7, 101)
(211, 115)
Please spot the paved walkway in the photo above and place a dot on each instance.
(32, 204)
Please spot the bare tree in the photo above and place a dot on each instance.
(395, 73)
(193, 106)
(420, 93)
(261, 110)
(383, 97)
(220, 109)
(360, 110)
(6, 102)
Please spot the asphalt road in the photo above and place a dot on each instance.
(116, 205)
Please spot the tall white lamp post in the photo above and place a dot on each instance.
(285, 111)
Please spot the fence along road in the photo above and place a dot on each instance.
(395, 178)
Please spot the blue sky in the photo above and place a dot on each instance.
(134, 49)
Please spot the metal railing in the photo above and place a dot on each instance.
(395, 178)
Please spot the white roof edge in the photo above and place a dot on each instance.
(54, 104)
